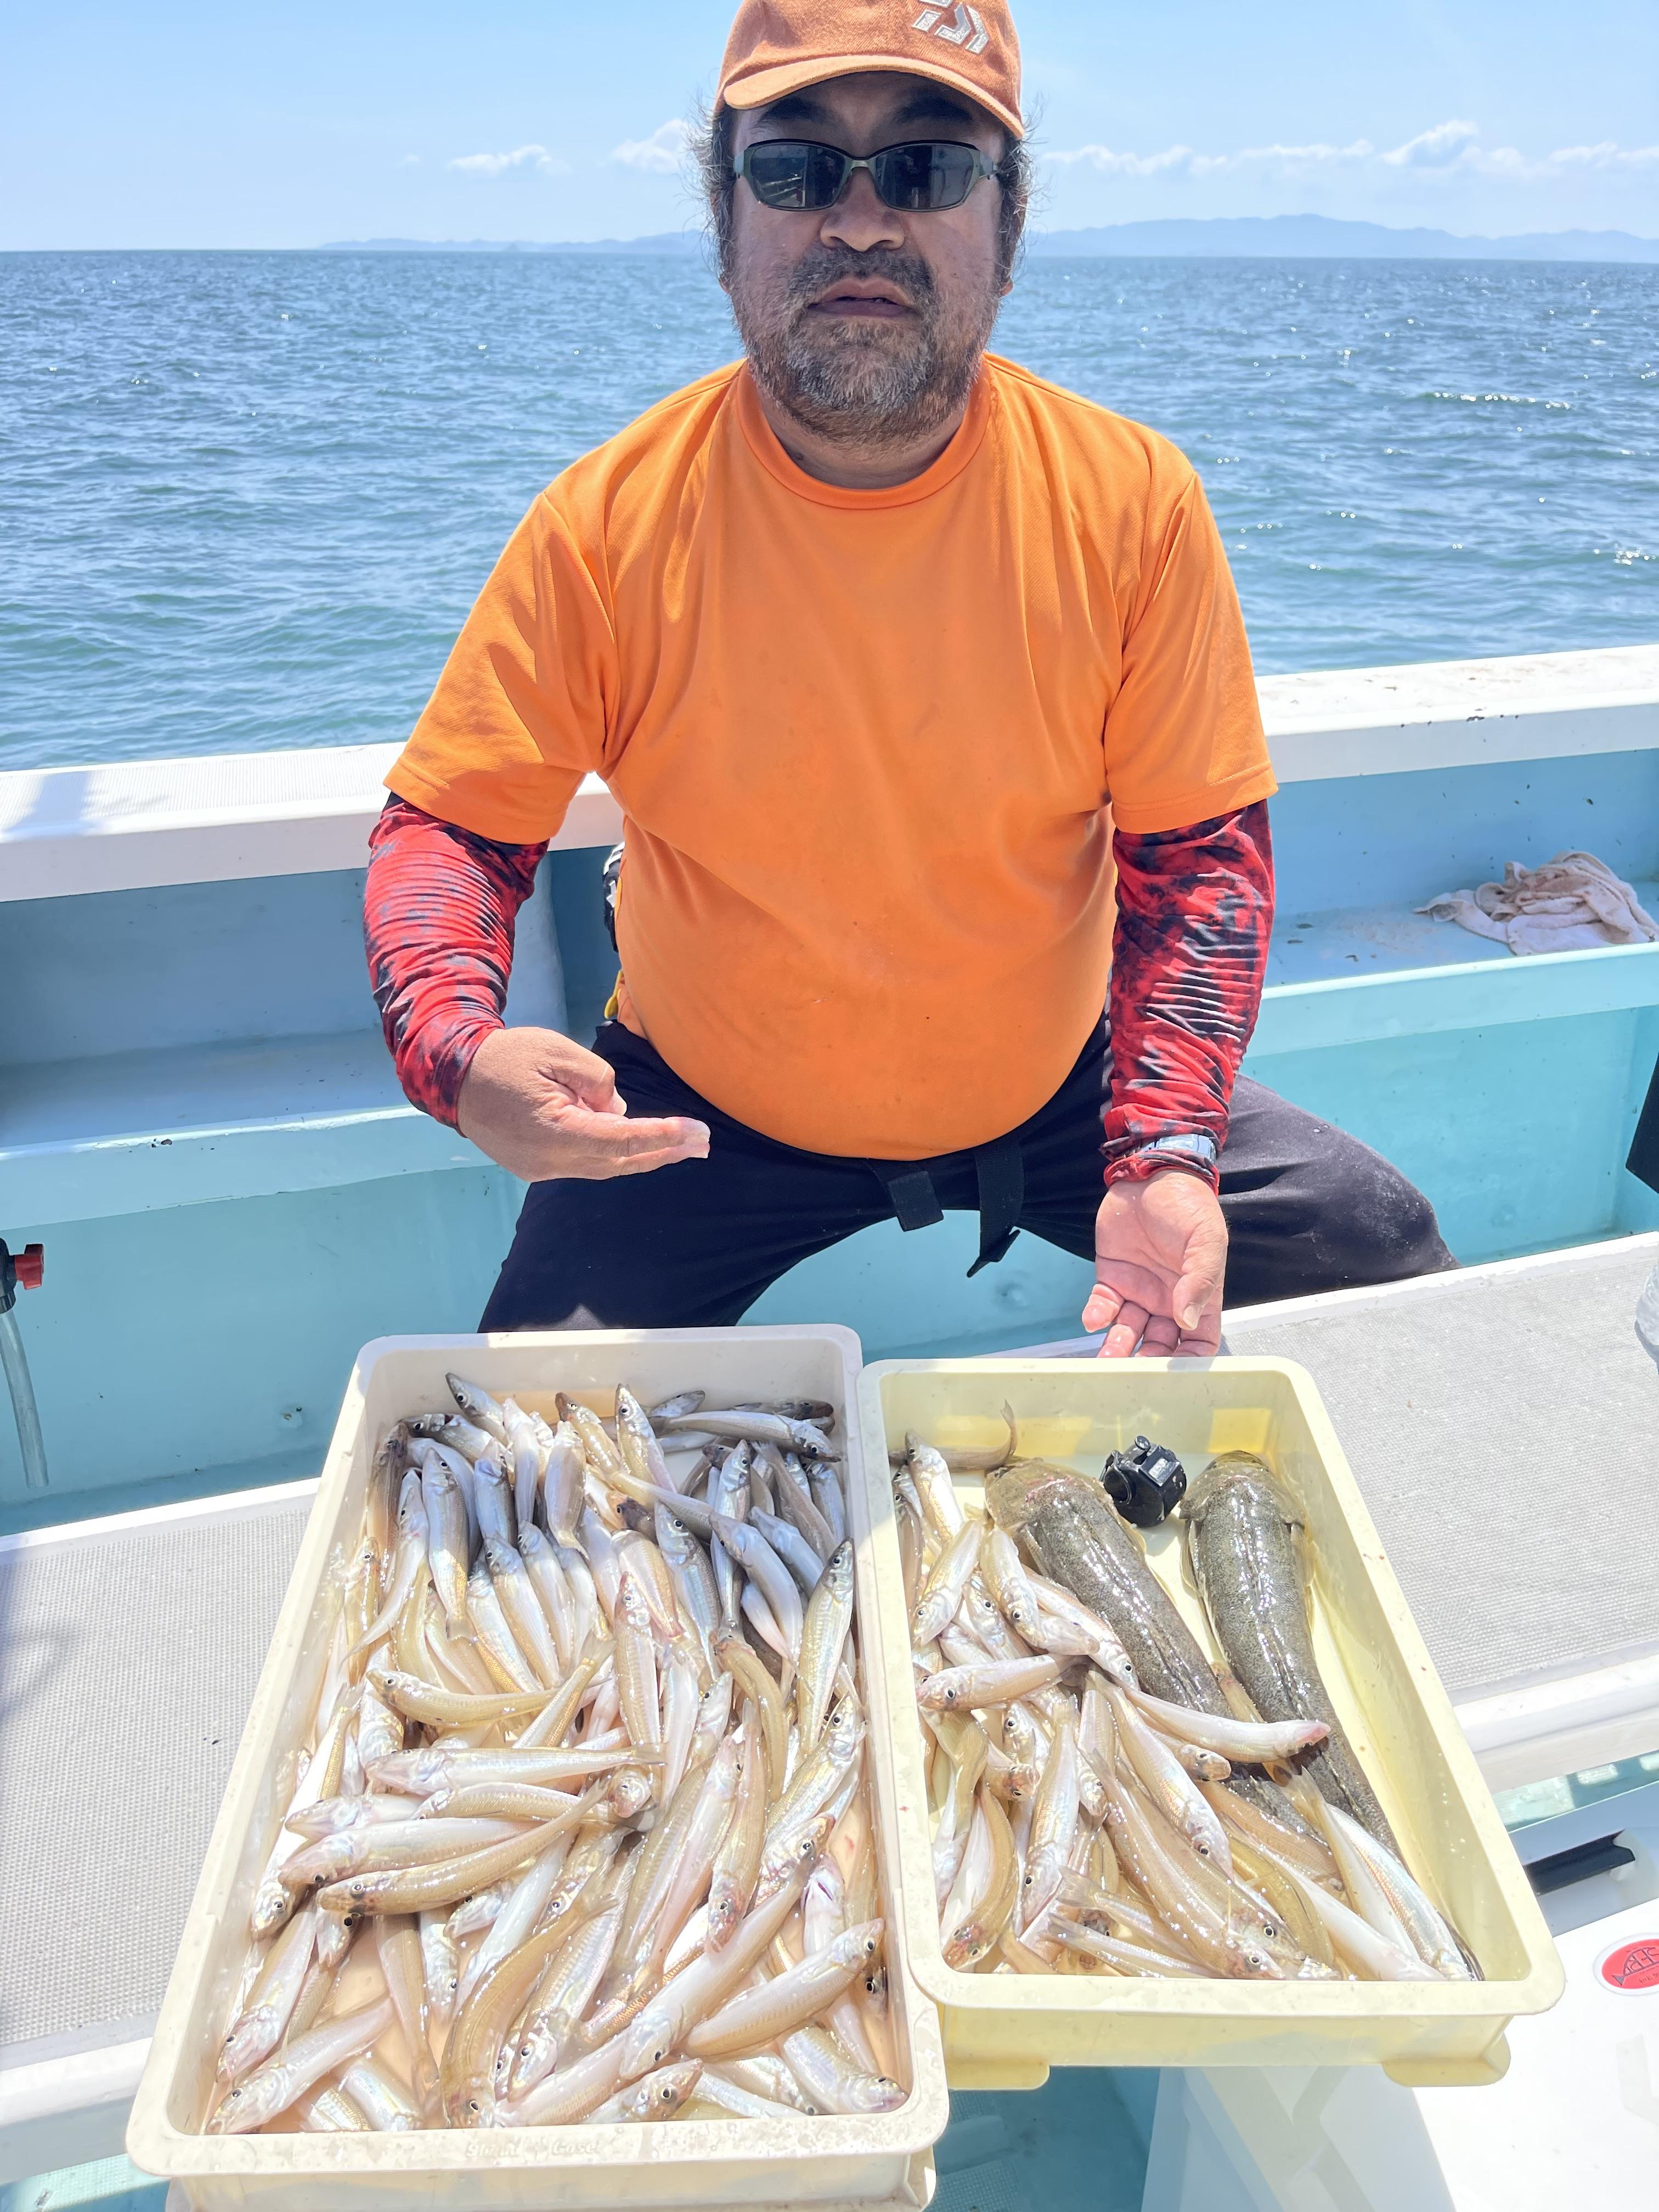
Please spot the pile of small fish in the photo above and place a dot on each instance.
(584, 1832)
(1105, 1800)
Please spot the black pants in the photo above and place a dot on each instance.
(693, 1245)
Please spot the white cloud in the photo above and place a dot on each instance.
(1183, 161)
(1435, 149)
(1112, 164)
(525, 160)
(1452, 148)
(1606, 156)
(1291, 157)
(660, 155)
(1456, 146)
(1499, 161)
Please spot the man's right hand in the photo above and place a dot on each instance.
(542, 1106)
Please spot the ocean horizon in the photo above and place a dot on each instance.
(1175, 237)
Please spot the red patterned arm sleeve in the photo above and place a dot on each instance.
(438, 916)
(1194, 911)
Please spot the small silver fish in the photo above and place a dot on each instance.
(802, 1437)
(672, 1409)
(828, 1624)
(479, 1407)
(776, 1584)
(448, 1545)
(300, 2064)
(934, 1486)
(562, 1481)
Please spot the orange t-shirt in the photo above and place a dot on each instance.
(865, 742)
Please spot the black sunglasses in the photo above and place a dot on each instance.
(922, 176)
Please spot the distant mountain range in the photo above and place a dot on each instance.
(1277, 237)
(1295, 237)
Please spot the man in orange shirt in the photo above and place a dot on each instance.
(924, 689)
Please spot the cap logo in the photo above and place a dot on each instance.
(963, 27)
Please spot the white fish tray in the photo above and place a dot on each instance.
(1005, 2030)
(871, 2160)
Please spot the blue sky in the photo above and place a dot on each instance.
(175, 123)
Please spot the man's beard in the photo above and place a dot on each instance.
(868, 381)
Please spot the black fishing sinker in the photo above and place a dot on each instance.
(1146, 1483)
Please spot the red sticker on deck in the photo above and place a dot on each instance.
(1631, 1965)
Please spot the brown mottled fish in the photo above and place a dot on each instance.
(1244, 1558)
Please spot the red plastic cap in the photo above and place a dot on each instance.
(30, 1266)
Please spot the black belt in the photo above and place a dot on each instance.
(999, 1168)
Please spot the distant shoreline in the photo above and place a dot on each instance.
(1223, 238)
(1274, 238)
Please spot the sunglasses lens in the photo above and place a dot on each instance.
(925, 175)
(790, 173)
(794, 173)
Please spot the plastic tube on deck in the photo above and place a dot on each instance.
(1647, 1317)
(15, 1360)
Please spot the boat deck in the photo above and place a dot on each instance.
(1504, 1425)
(1502, 1422)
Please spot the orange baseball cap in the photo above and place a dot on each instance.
(776, 46)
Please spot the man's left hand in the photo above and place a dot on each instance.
(1160, 1256)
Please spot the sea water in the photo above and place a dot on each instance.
(246, 499)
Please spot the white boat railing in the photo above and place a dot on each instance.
(134, 824)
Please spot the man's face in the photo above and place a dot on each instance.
(861, 321)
